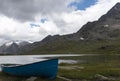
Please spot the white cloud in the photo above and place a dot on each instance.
(58, 22)
(26, 10)
(73, 21)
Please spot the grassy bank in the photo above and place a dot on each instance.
(93, 69)
(78, 47)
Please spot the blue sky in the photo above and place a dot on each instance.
(34, 25)
(82, 5)
(43, 20)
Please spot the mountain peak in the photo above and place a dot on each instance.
(115, 8)
(20, 43)
(117, 5)
(9, 43)
(113, 13)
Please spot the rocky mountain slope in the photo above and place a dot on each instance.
(107, 27)
(12, 47)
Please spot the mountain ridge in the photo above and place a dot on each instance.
(12, 47)
(105, 27)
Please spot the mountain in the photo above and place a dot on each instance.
(107, 27)
(12, 47)
(101, 36)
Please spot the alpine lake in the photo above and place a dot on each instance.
(72, 67)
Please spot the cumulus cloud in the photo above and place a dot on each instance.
(16, 17)
(74, 20)
(26, 10)
(14, 30)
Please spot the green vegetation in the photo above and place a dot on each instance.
(6, 77)
(93, 68)
(88, 68)
(78, 47)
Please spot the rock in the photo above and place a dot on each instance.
(31, 79)
(99, 77)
